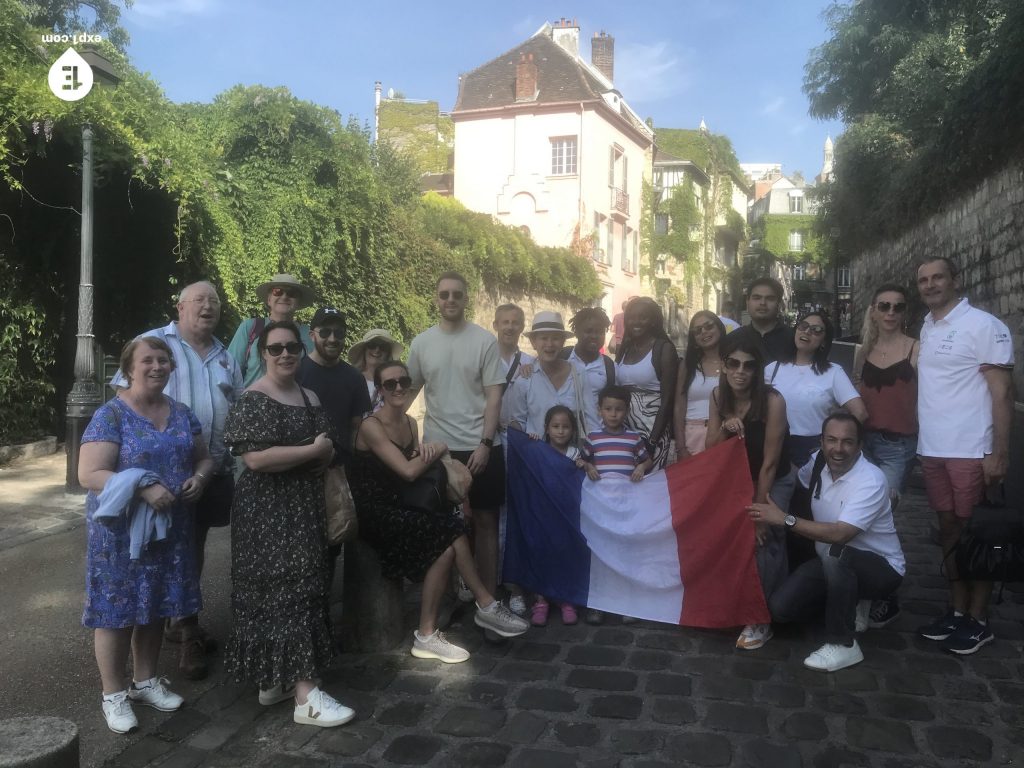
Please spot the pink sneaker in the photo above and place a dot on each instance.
(569, 616)
(539, 615)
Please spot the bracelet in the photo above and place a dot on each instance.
(201, 476)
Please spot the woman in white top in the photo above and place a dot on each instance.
(813, 387)
(647, 363)
(699, 373)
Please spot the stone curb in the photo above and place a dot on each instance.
(44, 447)
(38, 742)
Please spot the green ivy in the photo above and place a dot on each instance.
(773, 232)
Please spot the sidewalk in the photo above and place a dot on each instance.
(33, 502)
(642, 695)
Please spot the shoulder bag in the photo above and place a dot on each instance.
(339, 506)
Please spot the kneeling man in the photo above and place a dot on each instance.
(859, 555)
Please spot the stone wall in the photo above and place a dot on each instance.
(982, 232)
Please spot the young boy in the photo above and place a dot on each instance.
(614, 449)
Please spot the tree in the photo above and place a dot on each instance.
(926, 88)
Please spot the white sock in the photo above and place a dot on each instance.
(489, 608)
(112, 696)
(423, 638)
(138, 685)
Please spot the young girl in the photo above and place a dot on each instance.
(560, 432)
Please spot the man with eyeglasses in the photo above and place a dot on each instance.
(457, 365)
(207, 379)
(964, 408)
(340, 387)
(859, 556)
(767, 329)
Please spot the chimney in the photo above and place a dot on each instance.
(602, 54)
(526, 78)
(566, 33)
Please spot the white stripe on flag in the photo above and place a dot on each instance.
(634, 565)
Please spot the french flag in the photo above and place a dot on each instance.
(677, 547)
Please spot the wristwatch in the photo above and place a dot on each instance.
(487, 441)
(790, 521)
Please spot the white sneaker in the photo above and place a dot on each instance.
(117, 711)
(437, 646)
(754, 636)
(517, 604)
(860, 624)
(153, 693)
(277, 694)
(322, 710)
(500, 620)
(831, 657)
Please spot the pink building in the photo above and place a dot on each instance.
(544, 142)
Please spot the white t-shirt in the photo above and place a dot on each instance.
(810, 397)
(453, 369)
(861, 499)
(597, 377)
(954, 405)
(506, 400)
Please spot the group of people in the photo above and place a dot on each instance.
(158, 462)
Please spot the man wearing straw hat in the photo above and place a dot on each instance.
(283, 296)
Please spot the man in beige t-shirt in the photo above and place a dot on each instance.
(457, 365)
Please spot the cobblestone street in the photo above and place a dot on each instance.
(641, 696)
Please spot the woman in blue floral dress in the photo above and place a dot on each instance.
(144, 463)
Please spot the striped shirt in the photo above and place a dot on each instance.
(209, 386)
(614, 452)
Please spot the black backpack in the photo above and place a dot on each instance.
(609, 365)
(659, 344)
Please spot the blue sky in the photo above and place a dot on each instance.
(736, 63)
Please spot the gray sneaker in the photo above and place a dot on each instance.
(500, 620)
(437, 646)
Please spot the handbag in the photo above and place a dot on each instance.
(342, 523)
(459, 479)
(427, 492)
(339, 507)
(991, 545)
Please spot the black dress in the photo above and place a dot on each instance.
(407, 542)
(281, 630)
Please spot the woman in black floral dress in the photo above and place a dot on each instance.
(415, 544)
(281, 637)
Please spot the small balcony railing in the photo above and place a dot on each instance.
(620, 201)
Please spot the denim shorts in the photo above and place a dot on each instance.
(893, 454)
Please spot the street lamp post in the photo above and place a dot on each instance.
(86, 393)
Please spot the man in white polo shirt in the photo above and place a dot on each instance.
(964, 406)
(859, 555)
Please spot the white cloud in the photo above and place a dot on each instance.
(168, 11)
(798, 127)
(646, 73)
(774, 106)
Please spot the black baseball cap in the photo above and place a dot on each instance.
(326, 315)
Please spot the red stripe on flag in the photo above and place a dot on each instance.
(708, 493)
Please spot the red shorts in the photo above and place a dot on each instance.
(953, 485)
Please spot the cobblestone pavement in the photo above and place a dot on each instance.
(33, 502)
(641, 696)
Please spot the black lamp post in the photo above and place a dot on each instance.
(87, 393)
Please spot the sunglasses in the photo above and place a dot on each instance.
(804, 327)
(326, 333)
(292, 347)
(708, 327)
(887, 306)
(390, 385)
(456, 295)
(277, 292)
(379, 344)
(732, 364)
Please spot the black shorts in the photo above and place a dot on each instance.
(213, 510)
(488, 489)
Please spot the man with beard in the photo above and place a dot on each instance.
(340, 387)
(457, 365)
(767, 328)
(207, 379)
(859, 555)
